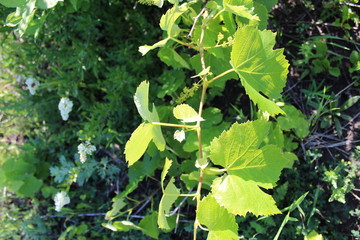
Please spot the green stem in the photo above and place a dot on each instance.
(183, 43)
(198, 130)
(175, 125)
(220, 75)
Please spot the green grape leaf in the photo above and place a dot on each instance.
(240, 197)
(141, 99)
(294, 119)
(124, 226)
(149, 226)
(13, 19)
(172, 58)
(167, 21)
(138, 172)
(261, 69)
(217, 219)
(170, 195)
(242, 8)
(239, 150)
(27, 14)
(146, 48)
(141, 137)
(138, 142)
(262, 12)
(186, 113)
(269, 4)
(30, 187)
(46, 4)
(117, 205)
(13, 3)
(165, 171)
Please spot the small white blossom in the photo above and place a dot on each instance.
(32, 85)
(85, 149)
(179, 135)
(61, 199)
(65, 107)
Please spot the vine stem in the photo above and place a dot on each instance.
(220, 75)
(174, 125)
(201, 106)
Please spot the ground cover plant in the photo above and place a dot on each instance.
(84, 156)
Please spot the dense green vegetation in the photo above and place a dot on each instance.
(69, 73)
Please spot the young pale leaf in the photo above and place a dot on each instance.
(217, 219)
(260, 68)
(146, 48)
(124, 226)
(186, 113)
(239, 151)
(138, 142)
(170, 195)
(159, 3)
(141, 99)
(240, 197)
(202, 73)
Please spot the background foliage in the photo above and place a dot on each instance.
(87, 50)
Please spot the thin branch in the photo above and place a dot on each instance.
(195, 21)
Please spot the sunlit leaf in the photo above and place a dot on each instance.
(217, 219)
(146, 48)
(261, 69)
(138, 143)
(240, 197)
(242, 8)
(167, 21)
(186, 113)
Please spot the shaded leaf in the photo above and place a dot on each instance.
(13, 3)
(46, 4)
(149, 226)
(170, 195)
(172, 58)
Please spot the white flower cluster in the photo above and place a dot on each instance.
(61, 199)
(65, 107)
(179, 135)
(32, 85)
(85, 149)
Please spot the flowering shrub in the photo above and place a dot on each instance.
(61, 199)
(85, 149)
(32, 85)
(65, 107)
